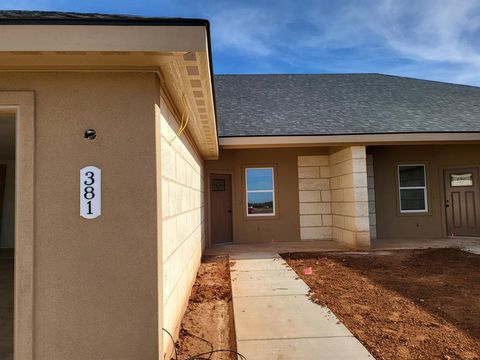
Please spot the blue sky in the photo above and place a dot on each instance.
(429, 39)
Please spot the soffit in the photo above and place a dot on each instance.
(179, 54)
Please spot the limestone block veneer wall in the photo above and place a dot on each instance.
(314, 197)
(348, 184)
(182, 219)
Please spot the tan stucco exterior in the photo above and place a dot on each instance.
(21, 104)
(105, 288)
(91, 276)
(178, 54)
(355, 186)
(285, 225)
(321, 194)
(390, 223)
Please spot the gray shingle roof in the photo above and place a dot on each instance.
(276, 105)
(55, 17)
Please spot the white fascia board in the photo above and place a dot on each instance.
(307, 140)
(102, 38)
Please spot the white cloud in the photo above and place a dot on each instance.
(247, 29)
(442, 33)
(438, 39)
(435, 31)
(442, 38)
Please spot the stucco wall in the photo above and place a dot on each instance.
(348, 184)
(285, 226)
(95, 281)
(390, 223)
(183, 219)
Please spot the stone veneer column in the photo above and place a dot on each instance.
(314, 197)
(371, 197)
(348, 184)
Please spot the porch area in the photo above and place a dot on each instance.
(275, 247)
(469, 244)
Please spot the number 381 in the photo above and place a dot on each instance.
(89, 191)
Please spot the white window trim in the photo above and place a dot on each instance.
(400, 188)
(260, 191)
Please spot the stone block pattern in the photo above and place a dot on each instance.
(314, 197)
(371, 197)
(348, 186)
(182, 220)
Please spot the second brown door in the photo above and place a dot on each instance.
(462, 202)
(221, 208)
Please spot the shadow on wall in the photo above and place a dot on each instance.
(7, 221)
(6, 304)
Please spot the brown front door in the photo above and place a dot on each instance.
(462, 201)
(221, 208)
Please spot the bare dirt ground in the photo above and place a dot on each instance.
(421, 304)
(209, 316)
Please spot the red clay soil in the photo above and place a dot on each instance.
(421, 304)
(209, 316)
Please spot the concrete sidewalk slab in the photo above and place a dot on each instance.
(274, 318)
(291, 316)
(252, 275)
(305, 349)
(271, 262)
(269, 287)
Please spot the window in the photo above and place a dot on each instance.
(413, 188)
(260, 191)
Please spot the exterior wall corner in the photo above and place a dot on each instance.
(349, 187)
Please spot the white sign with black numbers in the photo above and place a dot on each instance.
(90, 192)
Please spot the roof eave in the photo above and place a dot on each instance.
(347, 139)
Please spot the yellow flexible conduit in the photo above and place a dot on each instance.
(185, 118)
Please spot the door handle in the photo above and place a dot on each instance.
(229, 211)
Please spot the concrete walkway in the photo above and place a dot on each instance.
(274, 319)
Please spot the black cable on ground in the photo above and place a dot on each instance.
(209, 353)
(173, 341)
(204, 340)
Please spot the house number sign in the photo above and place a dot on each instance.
(90, 192)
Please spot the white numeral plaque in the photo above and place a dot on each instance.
(90, 192)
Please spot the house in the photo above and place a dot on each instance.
(122, 101)
(124, 108)
(350, 157)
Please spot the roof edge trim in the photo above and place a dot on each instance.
(309, 140)
(20, 17)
